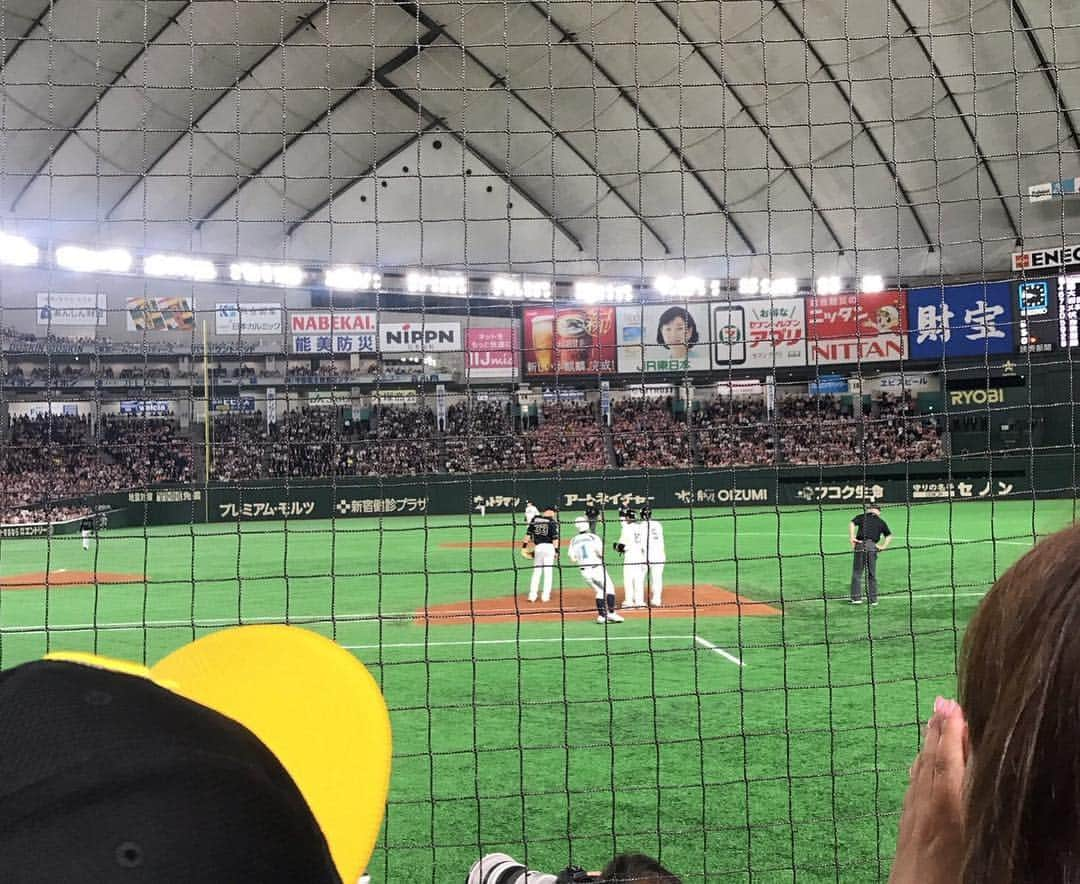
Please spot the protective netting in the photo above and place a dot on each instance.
(305, 303)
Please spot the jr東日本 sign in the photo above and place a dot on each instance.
(420, 337)
(340, 331)
(759, 333)
(1035, 307)
(490, 353)
(160, 314)
(856, 328)
(659, 338)
(571, 340)
(72, 309)
(1038, 259)
(247, 319)
(960, 320)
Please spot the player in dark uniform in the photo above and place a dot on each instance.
(865, 531)
(592, 513)
(543, 535)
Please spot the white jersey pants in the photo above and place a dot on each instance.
(598, 578)
(543, 569)
(634, 585)
(656, 583)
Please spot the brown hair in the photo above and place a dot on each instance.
(1020, 690)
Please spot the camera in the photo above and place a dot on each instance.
(498, 868)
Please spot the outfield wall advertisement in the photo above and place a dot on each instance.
(973, 479)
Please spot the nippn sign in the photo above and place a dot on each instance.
(420, 337)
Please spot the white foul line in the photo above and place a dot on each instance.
(522, 641)
(716, 649)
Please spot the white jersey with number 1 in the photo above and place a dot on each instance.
(586, 550)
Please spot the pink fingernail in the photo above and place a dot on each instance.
(939, 705)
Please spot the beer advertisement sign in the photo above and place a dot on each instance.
(569, 340)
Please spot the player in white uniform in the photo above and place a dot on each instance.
(587, 552)
(631, 544)
(655, 555)
(531, 512)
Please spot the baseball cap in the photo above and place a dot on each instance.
(259, 753)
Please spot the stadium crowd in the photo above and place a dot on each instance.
(480, 437)
(570, 437)
(646, 433)
(59, 458)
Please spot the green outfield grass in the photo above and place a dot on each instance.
(567, 740)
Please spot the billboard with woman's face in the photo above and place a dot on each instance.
(658, 338)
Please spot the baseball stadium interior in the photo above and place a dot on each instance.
(303, 305)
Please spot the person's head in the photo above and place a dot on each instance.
(1019, 687)
(582, 524)
(549, 513)
(232, 759)
(676, 329)
(636, 868)
(874, 508)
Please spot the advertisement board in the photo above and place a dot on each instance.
(155, 407)
(70, 309)
(331, 332)
(569, 341)
(1035, 307)
(247, 319)
(490, 353)
(663, 338)
(960, 320)
(1069, 311)
(231, 404)
(160, 314)
(855, 328)
(420, 337)
(760, 333)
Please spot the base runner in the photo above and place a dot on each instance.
(587, 552)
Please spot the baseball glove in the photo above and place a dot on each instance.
(528, 549)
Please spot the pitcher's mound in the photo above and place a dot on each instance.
(704, 600)
(41, 580)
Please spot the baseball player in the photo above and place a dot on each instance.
(592, 513)
(631, 544)
(543, 535)
(655, 555)
(86, 528)
(587, 552)
(531, 512)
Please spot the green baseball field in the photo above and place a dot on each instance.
(756, 727)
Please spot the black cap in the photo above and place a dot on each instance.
(106, 777)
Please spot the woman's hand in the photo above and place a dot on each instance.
(930, 846)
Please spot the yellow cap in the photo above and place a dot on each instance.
(312, 703)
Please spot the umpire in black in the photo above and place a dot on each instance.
(866, 531)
